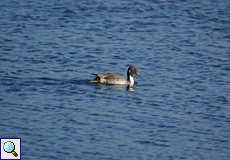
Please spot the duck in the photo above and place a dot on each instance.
(110, 78)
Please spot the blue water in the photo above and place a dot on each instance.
(179, 109)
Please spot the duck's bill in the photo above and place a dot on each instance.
(139, 75)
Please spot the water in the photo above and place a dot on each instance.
(178, 110)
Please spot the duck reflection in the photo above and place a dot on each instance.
(119, 87)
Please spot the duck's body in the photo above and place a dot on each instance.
(110, 78)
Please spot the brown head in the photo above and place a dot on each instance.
(131, 71)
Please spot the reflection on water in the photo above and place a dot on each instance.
(120, 86)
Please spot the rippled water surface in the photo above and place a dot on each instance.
(179, 109)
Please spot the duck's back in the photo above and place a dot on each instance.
(109, 78)
(116, 79)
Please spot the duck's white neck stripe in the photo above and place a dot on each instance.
(131, 79)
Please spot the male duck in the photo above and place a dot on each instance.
(110, 78)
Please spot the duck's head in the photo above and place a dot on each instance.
(132, 70)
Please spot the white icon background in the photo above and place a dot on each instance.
(5, 155)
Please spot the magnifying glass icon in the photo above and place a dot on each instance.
(9, 147)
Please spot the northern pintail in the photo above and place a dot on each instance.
(110, 78)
